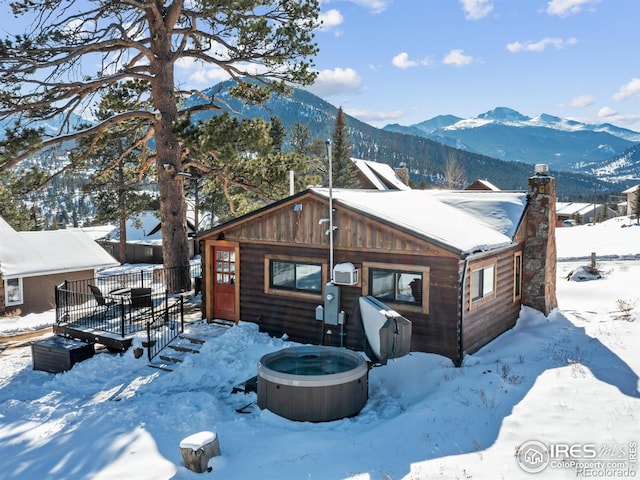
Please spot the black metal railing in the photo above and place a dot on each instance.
(123, 303)
(164, 329)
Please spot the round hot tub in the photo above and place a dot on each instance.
(313, 383)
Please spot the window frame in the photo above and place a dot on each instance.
(517, 276)
(488, 296)
(270, 289)
(425, 271)
(7, 303)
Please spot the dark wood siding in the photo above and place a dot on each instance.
(292, 230)
(435, 332)
(484, 322)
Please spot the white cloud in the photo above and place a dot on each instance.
(476, 9)
(336, 81)
(200, 74)
(457, 57)
(330, 19)
(375, 116)
(628, 90)
(402, 61)
(606, 112)
(540, 45)
(564, 8)
(581, 101)
(375, 6)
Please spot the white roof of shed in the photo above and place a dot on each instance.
(29, 254)
(465, 220)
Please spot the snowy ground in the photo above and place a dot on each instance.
(569, 379)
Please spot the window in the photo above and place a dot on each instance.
(396, 286)
(13, 291)
(517, 276)
(483, 282)
(296, 276)
(406, 286)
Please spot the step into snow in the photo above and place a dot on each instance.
(223, 323)
(161, 366)
(185, 346)
(191, 339)
(172, 356)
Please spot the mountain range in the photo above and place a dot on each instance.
(508, 135)
(500, 145)
(578, 154)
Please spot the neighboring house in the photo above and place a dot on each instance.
(582, 213)
(380, 176)
(144, 239)
(482, 185)
(33, 263)
(632, 196)
(457, 264)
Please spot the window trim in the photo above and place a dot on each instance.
(269, 290)
(397, 267)
(6, 292)
(517, 276)
(485, 298)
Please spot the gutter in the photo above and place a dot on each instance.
(463, 285)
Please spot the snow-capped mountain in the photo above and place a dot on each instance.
(509, 135)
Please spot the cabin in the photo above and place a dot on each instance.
(482, 185)
(632, 197)
(582, 213)
(33, 263)
(144, 239)
(457, 264)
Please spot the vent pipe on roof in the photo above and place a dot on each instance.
(541, 169)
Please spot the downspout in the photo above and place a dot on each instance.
(463, 287)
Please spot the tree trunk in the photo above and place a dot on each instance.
(122, 217)
(173, 211)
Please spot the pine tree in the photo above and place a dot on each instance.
(344, 169)
(262, 44)
(636, 205)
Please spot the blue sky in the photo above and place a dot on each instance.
(405, 61)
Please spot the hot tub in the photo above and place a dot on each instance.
(313, 383)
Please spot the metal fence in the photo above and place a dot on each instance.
(123, 303)
(162, 330)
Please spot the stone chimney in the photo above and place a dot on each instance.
(539, 256)
(402, 172)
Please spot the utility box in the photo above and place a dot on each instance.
(331, 304)
(58, 354)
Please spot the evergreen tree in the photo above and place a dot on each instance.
(344, 169)
(242, 170)
(262, 44)
(277, 133)
(636, 205)
(115, 163)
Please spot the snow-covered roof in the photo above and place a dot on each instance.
(487, 184)
(28, 254)
(144, 228)
(380, 175)
(632, 189)
(464, 220)
(574, 208)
